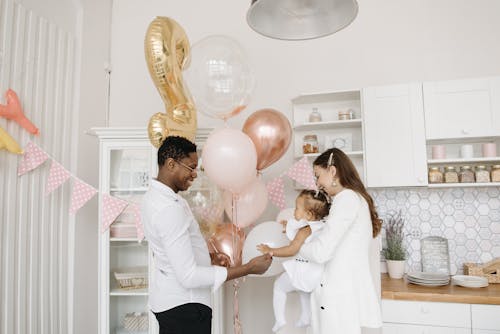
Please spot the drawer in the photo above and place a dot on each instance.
(414, 329)
(485, 316)
(426, 313)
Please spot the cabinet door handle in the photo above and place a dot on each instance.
(424, 310)
(420, 180)
(465, 131)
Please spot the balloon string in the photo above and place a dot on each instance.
(237, 323)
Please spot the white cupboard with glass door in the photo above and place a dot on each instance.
(127, 163)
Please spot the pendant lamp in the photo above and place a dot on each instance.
(300, 19)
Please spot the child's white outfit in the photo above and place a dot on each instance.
(300, 275)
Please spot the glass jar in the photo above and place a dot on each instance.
(315, 116)
(482, 174)
(310, 144)
(466, 175)
(346, 115)
(450, 174)
(495, 173)
(435, 175)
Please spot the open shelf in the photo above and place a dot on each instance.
(464, 185)
(351, 123)
(125, 292)
(314, 155)
(462, 161)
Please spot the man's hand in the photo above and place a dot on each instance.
(259, 265)
(219, 259)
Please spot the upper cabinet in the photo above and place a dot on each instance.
(394, 134)
(462, 108)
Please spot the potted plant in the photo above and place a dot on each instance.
(395, 253)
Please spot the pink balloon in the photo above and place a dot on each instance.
(229, 159)
(250, 203)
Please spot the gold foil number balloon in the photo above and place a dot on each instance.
(167, 53)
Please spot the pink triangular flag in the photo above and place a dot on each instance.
(137, 218)
(302, 172)
(81, 194)
(57, 176)
(33, 157)
(276, 192)
(110, 209)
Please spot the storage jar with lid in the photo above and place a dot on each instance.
(435, 175)
(482, 174)
(495, 173)
(315, 116)
(466, 175)
(346, 115)
(310, 144)
(450, 174)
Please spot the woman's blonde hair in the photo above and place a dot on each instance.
(349, 178)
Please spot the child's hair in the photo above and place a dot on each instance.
(316, 202)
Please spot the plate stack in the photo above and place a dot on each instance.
(427, 278)
(470, 281)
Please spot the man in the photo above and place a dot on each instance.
(184, 275)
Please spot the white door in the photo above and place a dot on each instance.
(394, 136)
(462, 108)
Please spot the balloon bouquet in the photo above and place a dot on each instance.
(221, 82)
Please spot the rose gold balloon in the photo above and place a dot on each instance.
(271, 134)
(228, 240)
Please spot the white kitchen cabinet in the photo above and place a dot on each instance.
(462, 108)
(346, 135)
(485, 318)
(394, 135)
(127, 163)
(414, 329)
(484, 331)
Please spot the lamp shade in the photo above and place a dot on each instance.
(300, 19)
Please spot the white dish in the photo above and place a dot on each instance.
(470, 281)
(427, 276)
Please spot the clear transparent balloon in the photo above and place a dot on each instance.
(205, 200)
(219, 77)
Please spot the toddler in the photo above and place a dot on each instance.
(300, 275)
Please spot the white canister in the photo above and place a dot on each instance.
(438, 152)
(489, 150)
(466, 151)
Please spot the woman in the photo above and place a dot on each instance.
(346, 298)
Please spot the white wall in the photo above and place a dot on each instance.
(390, 41)
(93, 102)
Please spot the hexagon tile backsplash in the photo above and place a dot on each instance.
(468, 217)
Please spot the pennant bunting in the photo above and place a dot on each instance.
(57, 176)
(110, 209)
(276, 192)
(82, 193)
(302, 172)
(33, 157)
(136, 211)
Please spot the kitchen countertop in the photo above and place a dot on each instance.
(400, 289)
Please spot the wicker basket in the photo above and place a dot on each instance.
(136, 321)
(132, 278)
(490, 270)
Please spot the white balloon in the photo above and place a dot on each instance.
(270, 233)
(285, 214)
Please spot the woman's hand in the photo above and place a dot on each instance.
(219, 259)
(264, 249)
(259, 265)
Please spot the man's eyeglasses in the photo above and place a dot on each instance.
(191, 169)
